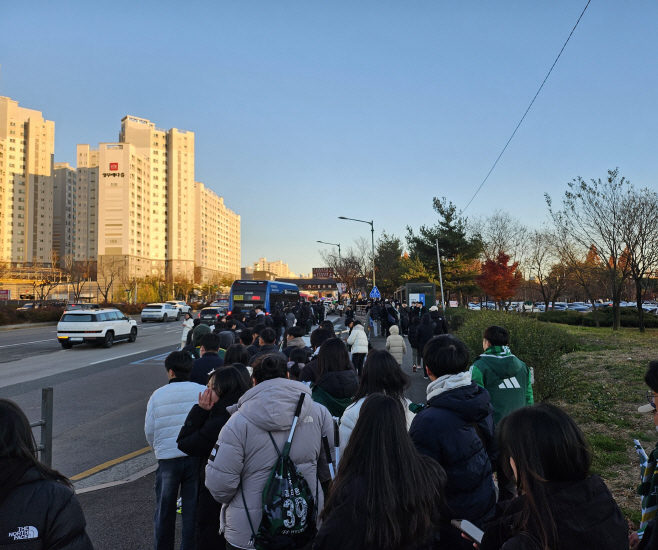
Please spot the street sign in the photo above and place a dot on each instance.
(5, 294)
(374, 293)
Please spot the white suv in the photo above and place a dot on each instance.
(160, 312)
(103, 326)
(180, 304)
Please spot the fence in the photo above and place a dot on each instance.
(45, 447)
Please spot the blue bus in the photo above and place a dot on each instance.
(263, 294)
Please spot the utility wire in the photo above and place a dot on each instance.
(526, 111)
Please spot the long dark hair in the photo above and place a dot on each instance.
(227, 383)
(333, 357)
(17, 441)
(403, 490)
(546, 446)
(382, 374)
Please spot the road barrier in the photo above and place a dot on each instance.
(45, 447)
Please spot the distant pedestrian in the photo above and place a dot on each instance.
(237, 353)
(267, 346)
(413, 342)
(396, 344)
(311, 372)
(337, 381)
(358, 345)
(295, 340)
(386, 496)
(208, 361)
(197, 438)
(38, 506)
(166, 412)
(424, 333)
(188, 324)
(439, 320)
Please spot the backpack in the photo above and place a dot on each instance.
(289, 507)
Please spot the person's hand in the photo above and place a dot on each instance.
(207, 399)
(475, 544)
(633, 540)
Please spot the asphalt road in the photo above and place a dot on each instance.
(100, 398)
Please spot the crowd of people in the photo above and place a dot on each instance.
(358, 465)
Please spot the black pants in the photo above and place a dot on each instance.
(357, 361)
(208, 510)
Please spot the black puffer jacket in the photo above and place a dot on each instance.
(446, 432)
(439, 320)
(425, 332)
(585, 513)
(197, 437)
(340, 385)
(38, 513)
(413, 335)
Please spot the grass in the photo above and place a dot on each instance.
(604, 390)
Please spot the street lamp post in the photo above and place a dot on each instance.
(333, 244)
(372, 231)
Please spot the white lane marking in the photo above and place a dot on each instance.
(26, 343)
(118, 357)
(161, 356)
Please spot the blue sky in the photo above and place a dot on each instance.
(305, 110)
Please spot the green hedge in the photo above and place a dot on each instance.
(628, 317)
(540, 345)
(9, 315)
(457, 316)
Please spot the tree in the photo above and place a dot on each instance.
(640, 235)
(459, 251)
(110, 269)
(498, 279)
(388, 265)
(352, 268)
(594, 215)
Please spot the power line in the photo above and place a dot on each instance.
(526, 111)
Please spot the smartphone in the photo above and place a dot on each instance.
(470, 530)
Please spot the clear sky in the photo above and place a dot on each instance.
(306, 110)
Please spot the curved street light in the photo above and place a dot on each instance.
(332, 244)
(372, 230)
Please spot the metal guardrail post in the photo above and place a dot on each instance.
(46, 423)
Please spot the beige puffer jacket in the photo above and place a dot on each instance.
(395, 344)
(245, 452)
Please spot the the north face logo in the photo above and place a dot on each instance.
(24, 533)
(509, 383)
(308, 419)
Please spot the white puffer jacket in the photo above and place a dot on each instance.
(165, 415)
(351, 415)
(395, 344)
(358, 340)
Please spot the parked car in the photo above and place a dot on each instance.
(180, 304)
(160, 312)
(102, 326)
(28, 307)
(208, 315)
(79, 306)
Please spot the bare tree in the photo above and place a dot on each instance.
(545, 263)
(352, 268)
(500, 232)
(593, 214)
(110, 269)
(640, 235)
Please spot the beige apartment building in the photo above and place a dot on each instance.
(280, 269)
(27, 145)
(216, 236)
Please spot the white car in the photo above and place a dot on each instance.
(160, 312)
(103, 326)
(180, 304)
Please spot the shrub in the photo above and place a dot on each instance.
(562, 317)
(457, 316)
(540, 345)
(628, 317)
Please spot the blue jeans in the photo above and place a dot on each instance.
(171, 474)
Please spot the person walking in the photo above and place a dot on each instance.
(509, 383)
(424, 333)
(358, 344)
(197, 438)
(561, 504)
(267, 346)
(439, 320)
(38, 506)
(396, 344)
(457, 430)
(376, 316)
(386, 494)
(404, 319)
(188, 324)
(209, 360)
(337, 381)
(295, 340)
(165, 415)
(381, 374)
(247, 447)
(413, 342)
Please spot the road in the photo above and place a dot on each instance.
(100, 398)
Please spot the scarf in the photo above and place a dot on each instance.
(447, 383)
(497, 351)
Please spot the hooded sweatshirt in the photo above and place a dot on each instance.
(244, 452)
(335, 390)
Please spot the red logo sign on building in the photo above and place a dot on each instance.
(114, 166)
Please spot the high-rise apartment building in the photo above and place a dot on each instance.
(278, 268)
(216, 235)
(27, 145)
(64, 202)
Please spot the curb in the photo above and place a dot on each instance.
(130, 478)
(29, 325)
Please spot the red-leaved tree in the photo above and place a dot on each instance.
(498, 279)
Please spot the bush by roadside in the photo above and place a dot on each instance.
(9, 315)
(628, 317)
(540, 345)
